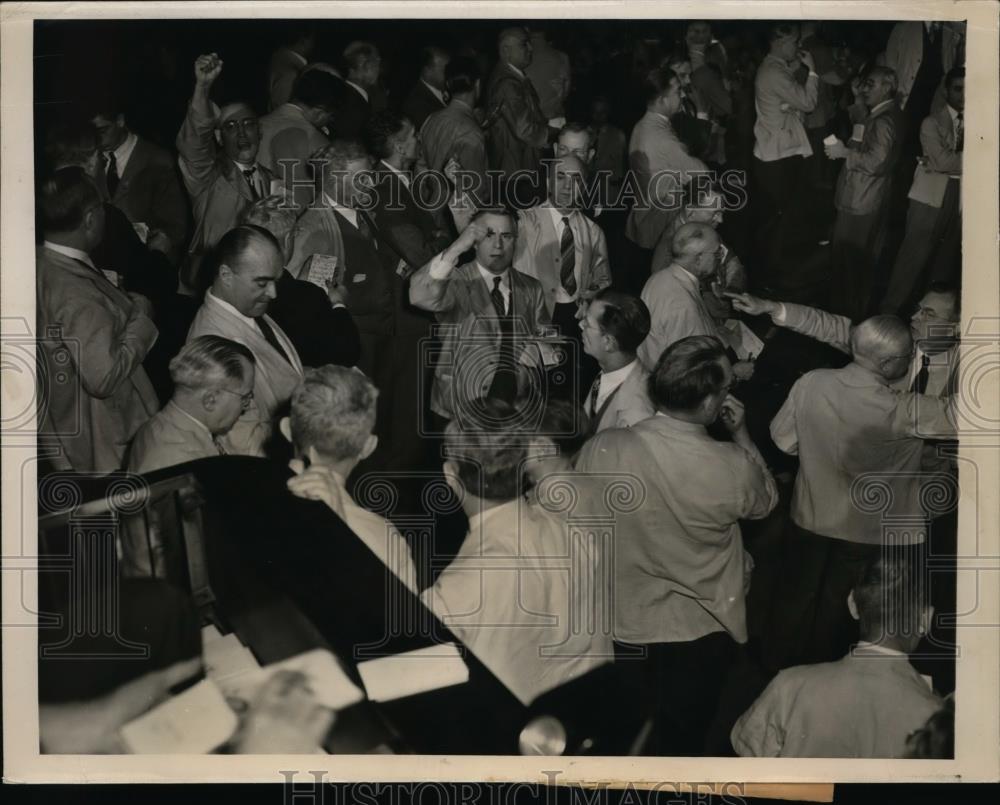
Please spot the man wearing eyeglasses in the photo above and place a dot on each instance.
(218, 162)
(213, 385)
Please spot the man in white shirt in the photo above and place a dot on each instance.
(213, 381)
(249, 265)
(330, 426)
(781, 143)
(673, 295)
(864, 705)
(613, 328)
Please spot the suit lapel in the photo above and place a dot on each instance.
(136, 162)
(235, 177)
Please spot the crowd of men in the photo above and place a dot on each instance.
(464, 279)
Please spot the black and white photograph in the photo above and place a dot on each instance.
(554, 383)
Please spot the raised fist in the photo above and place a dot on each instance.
(207, 68)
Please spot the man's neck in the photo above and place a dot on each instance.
(70, 240)
(468, 99)
(614, 361)
(473, 506)
(190, 407)
(342, 468)
(692, 417)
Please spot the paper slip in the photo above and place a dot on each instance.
(414, 672)
(830, 139)
(141, 230)
(323, 270)
(858, 132)
(327, 680)
(227, 656)
(194, 722)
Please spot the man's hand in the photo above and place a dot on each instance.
(470, 236)
(141, 304)
(317, 483)
(337, 294)
(698, 99)
(837, 151)
(807, 59)
(752, 305)
(207, 69)
(284, 719)
(743, 369)
(733, 416)
(159, 242)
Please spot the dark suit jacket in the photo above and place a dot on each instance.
(521, 131)
(408, 227)
(320, 333)
(351, 116)
(420, 104)
(149, 192)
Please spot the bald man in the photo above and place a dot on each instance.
(859, 446)
(248, 264)
(217, 151)
(674, 295)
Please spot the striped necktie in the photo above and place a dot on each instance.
(567, 248)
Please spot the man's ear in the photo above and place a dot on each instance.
(120, 120)
(852, 606)
(369, 447)
(285, 426)
(451, 478)
(209, 400)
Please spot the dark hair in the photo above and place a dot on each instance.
(428, 54)
(947, 289)
(954, 74)
(495, 211)
(625, 318)
(566, 424)
(657, 83)
(487, 443)
(889, 597)
(318, 88)
(687, 372)
(63, 199)
(381, 132)
(70, 141)
(356, 54)
(461, 75)
(234, 244)
(780, 30)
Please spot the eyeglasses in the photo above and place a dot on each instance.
(246, 400)
(247, 124)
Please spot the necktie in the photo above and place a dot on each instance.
(111, 175)
(249, 175)
(595, 389)
(271, 338)
(497, 295)
(366, 227)
(959, 132)
(567, 247)
(218, 446)
(920, 380)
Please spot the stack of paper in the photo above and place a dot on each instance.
(425, 669)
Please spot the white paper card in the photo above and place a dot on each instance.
(414, 672)
(322, 270)
(327, 680)
(196, 722)
(227, 656)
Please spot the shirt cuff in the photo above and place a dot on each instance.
(702, 115)
(812, 75)
(339, 304)
(778, 316)
(441, 267)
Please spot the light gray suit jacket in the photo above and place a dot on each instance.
(628, 404)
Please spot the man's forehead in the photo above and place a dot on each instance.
(938, 302)
(574, 139)
(233, 111)
(498, 223)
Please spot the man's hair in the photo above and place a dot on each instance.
(566, 424)
(384, 129)
(782, 29)
(657, 83)
(70, 142)
(625, 317)
(461, 75)
(503, 211)
(675, 57)
(575, 127)
(953, 75)
(687, 372)
(105, 105)
(880, 337)
(889, 597)
(429, 53)
(293, 32)
(318, 88)
(357, 54)
(511, 32)
(487, 443)
(336, 155)
(697, 198)
(693, 238)
(208, 361)
(63, 199)
(887, 75)
(272, 213)
(947, 289)
(333, 412)
(235, 243)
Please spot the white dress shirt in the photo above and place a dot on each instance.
(578, 235)
(939, 367)
(258, 180)
(434, 91)
(122, 153)
(362, 90)
(286, 344)
(609, 381)
(488, 277)
(349, 213)
(402, 176)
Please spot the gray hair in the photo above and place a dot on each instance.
(273, 214)
(881, 337)
(209, 361)
(333, 411)
(337, 154)
(694, 238)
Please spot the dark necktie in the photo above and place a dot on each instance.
(920, 380)
(218, 446)
(959, 133)
(249, 175)
(497, 295)
(366, 227)
(271, 338)
(112, 174)
(595, 389)
(567, 247)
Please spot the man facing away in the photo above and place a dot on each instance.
(213, 381)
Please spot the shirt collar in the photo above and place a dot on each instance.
(69, 251)
(558, 216)
(685, 275)
(489, 275)
(124, 151)
(349, 213)
(198, 422)
(615, 378)
(434, 91)
(477, 520)
(362, 90)
(516, 70)
(680, 424)
(880, 106)
(865, 646)
(230, 309)
(953, 112)
(402, 176)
